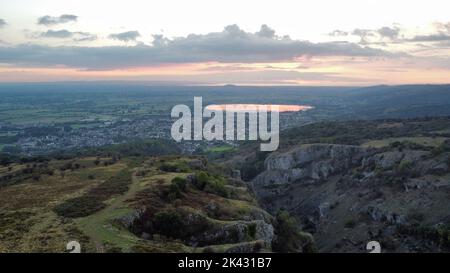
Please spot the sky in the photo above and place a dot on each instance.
(204, 42)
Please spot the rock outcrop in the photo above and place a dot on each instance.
(348, 195)
(307, 164)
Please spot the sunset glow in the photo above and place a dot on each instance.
(71, 41)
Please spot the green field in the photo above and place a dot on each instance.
(220, 149)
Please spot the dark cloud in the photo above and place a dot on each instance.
(266, 32)
(430, 38)
(2, 23)
(65, 34)
(389, 32)
(364, 34)
(372, 36)
(48, 20)
(338, 32)
(232, 45)
(125, 36)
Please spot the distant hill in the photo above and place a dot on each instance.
(401, 101)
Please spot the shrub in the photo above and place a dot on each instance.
(289, 238)
(92, 201)
(251, 230)
(115, 185)
(201, 179)
(350, 223)
(440, 235)
(211, 184)
(174, 192)
(79, 207)
(168, 223)
(405, 166)
(442, 148)
(180, 183)
(179, 167)
(177, 186)
(217, 186)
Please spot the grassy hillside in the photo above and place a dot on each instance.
(131, 204)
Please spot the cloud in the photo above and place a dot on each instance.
(338, 32)
(2, 23)
(389, 32)
(231, 67)
(65, 34)
(371, 36)
(441, 34)
(430, 38)
(364, 34)
(48, 20)
(442, 27)
(125, 36)
(266, 32)
(57, 34)
(232, 45)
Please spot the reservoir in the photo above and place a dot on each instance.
(254, 107)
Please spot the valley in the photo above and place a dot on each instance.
(347, 171)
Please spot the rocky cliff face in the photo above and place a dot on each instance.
(349, 195)
(309, 164)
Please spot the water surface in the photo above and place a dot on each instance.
(254, 107)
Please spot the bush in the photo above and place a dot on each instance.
(405, 166)
(217, 187)
(79, 207)
(180, 167)
(251, 230)
(442, 148)
(201, 179)
(440, 235)
(211, 184)
(180, 183)
(168, 223)
(174, 192)
(92, 201)
(177, 186)
(115, 185)
(289, 238)
(406, 169)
